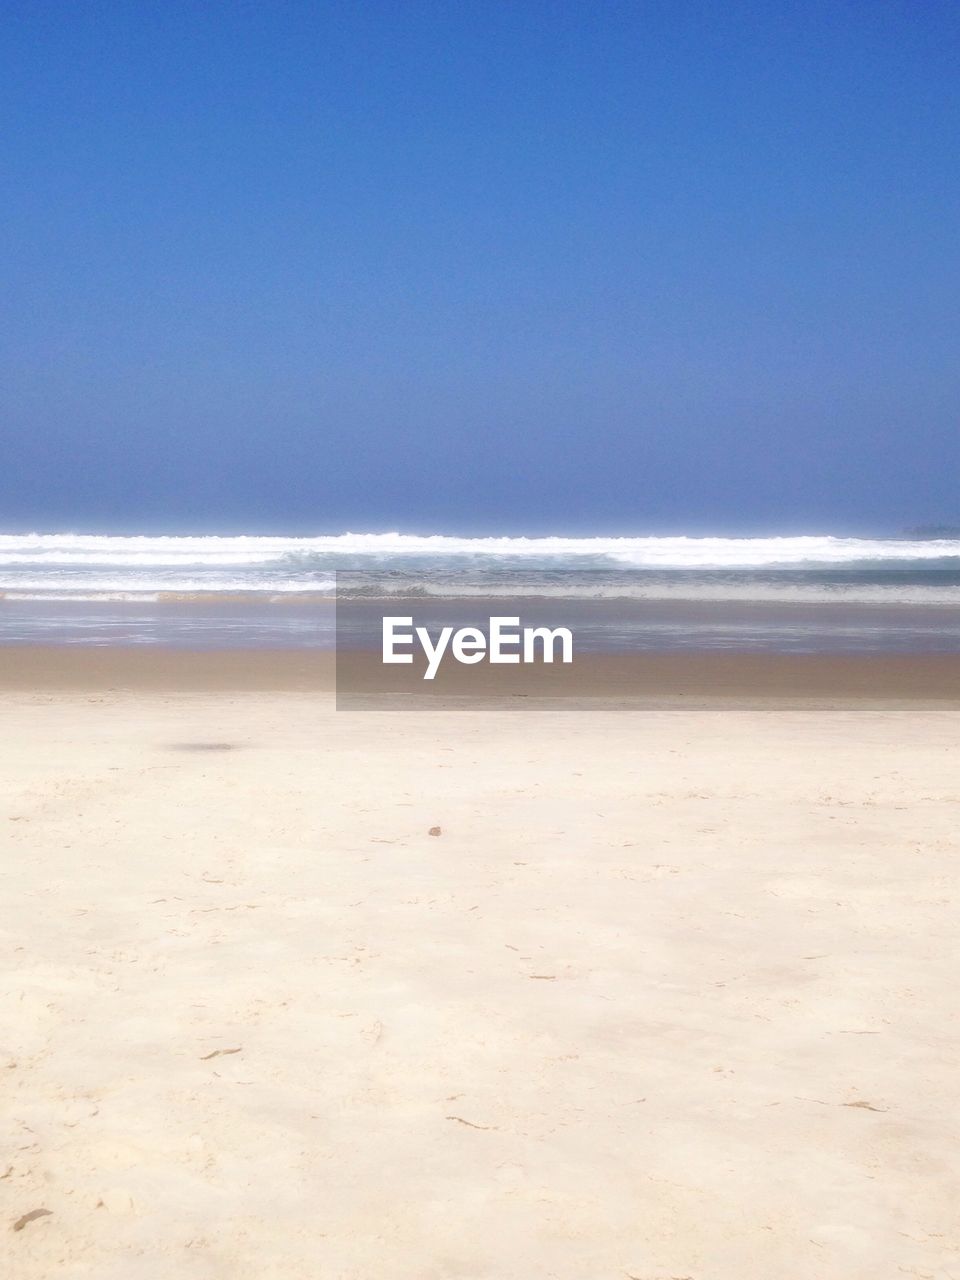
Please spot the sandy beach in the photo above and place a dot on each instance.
(653, 991)
(480, 642)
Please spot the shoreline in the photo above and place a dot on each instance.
(729, 675)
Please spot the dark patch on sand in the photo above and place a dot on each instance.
(32, 1216)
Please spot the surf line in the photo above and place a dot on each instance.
(505, 641)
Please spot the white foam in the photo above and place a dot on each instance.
(646, 552)
(71, 563)
(91, 587)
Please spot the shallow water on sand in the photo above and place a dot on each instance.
(600, 625)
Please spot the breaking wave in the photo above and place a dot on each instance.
(782, 568)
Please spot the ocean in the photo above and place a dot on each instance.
(774, 594)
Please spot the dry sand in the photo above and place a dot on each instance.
(672, 993)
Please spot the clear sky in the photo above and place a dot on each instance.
(521, 266)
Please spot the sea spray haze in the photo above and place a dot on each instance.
(74, 565)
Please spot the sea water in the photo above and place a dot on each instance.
(787, 594)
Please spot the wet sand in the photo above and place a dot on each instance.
(653, 675)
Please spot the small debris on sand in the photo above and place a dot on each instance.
(219, 1053)
(435, 831)
(470, 1125)
(31, 1217)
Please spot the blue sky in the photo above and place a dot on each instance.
(646, 267)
